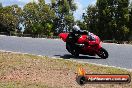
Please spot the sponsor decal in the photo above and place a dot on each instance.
(83, 78)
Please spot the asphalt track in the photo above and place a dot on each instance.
(119, 55)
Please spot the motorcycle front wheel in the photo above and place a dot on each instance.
(103, 53)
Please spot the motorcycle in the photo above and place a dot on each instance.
(91, 44)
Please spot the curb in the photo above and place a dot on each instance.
(130, 70)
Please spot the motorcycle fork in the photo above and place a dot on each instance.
(97, 48)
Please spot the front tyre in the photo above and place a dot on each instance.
(103, 53)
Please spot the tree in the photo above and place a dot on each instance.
(82, 25)
(9, 18)
(1, 25)
(109, 19)
(64, 11)
(122, 19)
(90, 18)
(130, 20)
(117, 19)
(1, 5)
(104, 8)
(37, 17)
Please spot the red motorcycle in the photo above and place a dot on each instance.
(91, 45)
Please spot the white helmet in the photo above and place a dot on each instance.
(76, 28)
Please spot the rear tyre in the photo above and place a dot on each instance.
(103, 53)
(68, 47)
(71, 49)
(75, 53)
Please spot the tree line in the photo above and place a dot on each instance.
(38, 18)
(109, 19)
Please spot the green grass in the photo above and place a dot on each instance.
(30, 71)
(22, 85)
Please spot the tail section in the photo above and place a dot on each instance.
(63, 36)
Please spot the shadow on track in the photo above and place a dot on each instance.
(68, 56)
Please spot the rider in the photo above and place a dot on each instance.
(76, 30)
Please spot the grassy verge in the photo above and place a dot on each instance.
(29, 71)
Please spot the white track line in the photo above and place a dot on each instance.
(130, 70)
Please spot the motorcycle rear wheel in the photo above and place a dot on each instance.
(71, 49)
(103, 53)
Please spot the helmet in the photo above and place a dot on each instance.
(76, 28)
